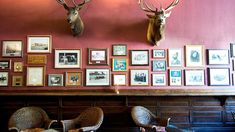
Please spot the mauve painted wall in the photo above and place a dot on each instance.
(107, 22)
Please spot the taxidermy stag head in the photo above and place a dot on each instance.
(73, 17)
(157, 21)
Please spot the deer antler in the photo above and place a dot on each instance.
(62, 2)
(143, 5)
(172, 5)
(79, 6)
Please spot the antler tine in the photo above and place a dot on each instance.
(62, 2)
(172, 5)
(82, 3)
(147, 9)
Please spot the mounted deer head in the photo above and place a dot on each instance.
(73, 17)
(157, 21)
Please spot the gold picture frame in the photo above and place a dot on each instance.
(39, 43)
(73, 79)
(18, 66)
(17, 81)
(37, 59)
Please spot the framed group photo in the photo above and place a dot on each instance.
(73, 79)
(194, 55)
(175, 77)
(159, 79)
(175, 57)
(119, 49)
(12, 48)
(35, 76)
(218, 56)
(219, 76)
(97, 77)
(119, 64)
(39, 43)
(139, 57)
(119, 79)
(4, 77)
(55, 80)
(194, 77)
(98, 56)
(139, 77)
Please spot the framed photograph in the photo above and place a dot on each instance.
(37, 59)
(194, 55)
(68, 58)
(194, 77)
(119, 50)
(219, 76)
(119, 64)
(232, 49)
(12, 48)
(5, 64)
(175, 77)
(175, 57)
(139, 57)
(98, 56)
(39, 43)
(159, 53)
(55, 80)
(218, 56)
(159, 79)
(35, 76)
(73, 79)
(4, 79)
(17, 81)
(18, 66)
(159, 65)
(120, 79)
(97, 77)
(139, 77)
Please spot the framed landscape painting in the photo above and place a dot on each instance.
(194, 55)
(5, 64)
(97, 77)
(39, 43)
(12, 48)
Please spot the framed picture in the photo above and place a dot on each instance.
(35, 76)
(194, 55)
(98, 56)
(218, 56)
(233, 65)
(55, 80)
(68, 58)
(120, 79)
(175, 57)
(233, 75)
(97, 77)
(4, 79)
(37, 59)
(73, 79)
(175, 77)
(119, 50)
(18, 67)
(39, 43)
(119, 64)
(159, 65)
(159, 53)
(194, 77)
(219, 76)
(139, 77)
(12, 48)
(17, 81)
(139, 57)
(159, 79)
(5, 64)
(232, 49)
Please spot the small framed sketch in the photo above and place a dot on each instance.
(17, 81)
(55, 80)
(218, 56)
(219, 76)
(97, 77)
(175, 57)
(18, 66)
(37, 59)
(194, 55)
(159, 79)
(119, 64)
(4, 79)
(12, 48)
(68, 58)
(159, 53)
(120, 79)
(159, 65)
(119, 50)
(35, 76)
(98, 56)
(139, 57)
(73, 79)
(5, 64)
(175, 77)
(39, 43)
(139, 77)
(232, 49)
(194, 77)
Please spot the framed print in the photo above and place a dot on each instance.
(175, 77)
(35, 76)
(159, 65)
(175, 57)
(37, 59)
(73, 79)
(17, 81)
(55, 80)
(159, 53)
(119, 50)
(194, 55)
(233, 75)
(98, 56)
(139, 77)
(18, 67)
(233, 65)
(139, 57)
(5, 64)
(120, 79)
(194, 77)
(219, 76)
(97, 77)
(159, 79)
(119, 64)
(68, 58)
(39, 43)
(12, 48)
(218, 56)
(4, 79)
(232, 49)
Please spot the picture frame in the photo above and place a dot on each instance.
(139, 57)
(17, 81)
(37, 59)
(18, 67)
(98, 77)
(55, 80)
(119, 79)
(159, 65)
(73, 79)
(98, 56)
(4, 77)
(5, 64)
(175, 57)
(35, 76)
(139, 77)
(194, 55)
(68, 58)
(39, 43)
(218, 56)
(159, 79)
(119, 49)
(12, 48)
(119, 64)
(194, 77)
(233, 76)
(175, 77)
(219, 76)
(232, 49)
(159, 53)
